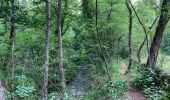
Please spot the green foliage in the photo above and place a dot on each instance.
(24, 86)
(118, 90)
(82, 46)
(52, 96)
(70, 71)
(115, 92)
(145, 80)
(153, 85)
(166, 42)
(24, 91)
(8, 95)
(101, 89)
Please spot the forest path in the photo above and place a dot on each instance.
(78, 86)
(2, 95)
(133, 93)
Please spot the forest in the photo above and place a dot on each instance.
(84, 50)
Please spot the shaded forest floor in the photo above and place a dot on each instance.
(133, 93)
(77, 88)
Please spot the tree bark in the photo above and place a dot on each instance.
(140, 49)
(130, 35)
(47, 46)
(12, 43)
(60, 51)
(154, 49)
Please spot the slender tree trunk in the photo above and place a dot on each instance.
(143, 26)
(12, 43)
(64, 15)
(47, 46)
(140, 49)
(145, 39)
(154, 49)
(60, 51)
(12, 59)
(130, 35)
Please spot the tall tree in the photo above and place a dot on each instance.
(60, 51)
(146, 39)
(47, 46)
(130, 34)
(164, 18)
(12, 42)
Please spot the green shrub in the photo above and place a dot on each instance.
(24, 91)
(153, 84)
(115, 92)
(118, 90)
(70, 71)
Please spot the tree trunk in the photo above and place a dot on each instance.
(154, 49)
(12, 43)
(60, 51)
(145, 39)
(144, 29)
(140, 49)
(130, 35)
(47, 46)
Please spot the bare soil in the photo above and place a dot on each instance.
(133, 93)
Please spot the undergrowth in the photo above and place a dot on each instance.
(102, 89)
(154, 83)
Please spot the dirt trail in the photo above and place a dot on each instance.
(2, 97)
(133, 92)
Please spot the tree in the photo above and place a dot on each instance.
(60, 51)
(130, 34)
(47, 46)
(146, 39)
(12, 42)
(155, 46)
(102, 52)
(145, 31)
